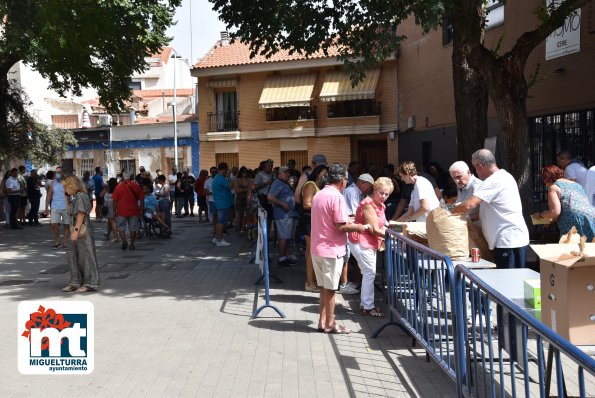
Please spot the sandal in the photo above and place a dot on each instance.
(69, 288)
(373, 312)
(338, 329)
(85, 289)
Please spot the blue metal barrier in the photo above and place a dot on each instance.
(489, 370)
(418, 281)
(263, 244)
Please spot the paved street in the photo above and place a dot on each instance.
(173, 319)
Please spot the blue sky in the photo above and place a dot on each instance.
(205, 27)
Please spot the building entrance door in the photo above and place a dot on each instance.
(372, 154)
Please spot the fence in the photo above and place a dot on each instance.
(261, 258)
(418, 280)
(448, 311)
(505, 355)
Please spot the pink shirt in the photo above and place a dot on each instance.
(367, 239)
(328, 208)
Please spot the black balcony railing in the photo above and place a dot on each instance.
(291, 113)
(224, 121)
(353, 108)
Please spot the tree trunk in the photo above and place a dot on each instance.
(471, 103)
(510, 104)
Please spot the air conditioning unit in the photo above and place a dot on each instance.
(105, 120)
(411, 122)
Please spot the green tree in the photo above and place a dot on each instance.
(74, 44)
(365, 32)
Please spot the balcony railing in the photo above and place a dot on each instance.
(353, 109)
(291, 113)
(224, 121)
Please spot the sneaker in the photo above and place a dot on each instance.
(354, 285)
(124, 245)
(292, 258)
(223, 243)
(347, 289)
(284, 263)
(214, 240)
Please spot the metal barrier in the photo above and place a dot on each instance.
(519, 340)
(448, 311)
(262, 259)
(418, 281)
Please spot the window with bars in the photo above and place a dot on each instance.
(127, 166)
(232, 159)
(550, 134)
(87, 165)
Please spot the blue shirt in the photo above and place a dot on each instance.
(282, 191)
(98, 184)
(221, 193)
(151, 202)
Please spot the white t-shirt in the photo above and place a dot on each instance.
(501, 212)
(172, 178)
(591, 185)
(423, 189)
(209, 186)
(577, 172)
(353, 196)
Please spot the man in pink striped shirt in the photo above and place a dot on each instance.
(330, 225)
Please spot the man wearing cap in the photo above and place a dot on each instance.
(353, 194)
(281, 196)
(357, 191)
(317, 160)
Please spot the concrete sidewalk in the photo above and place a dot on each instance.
(173, 319)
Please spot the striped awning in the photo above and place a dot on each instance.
(337, 86)
(283, 91)
(222, 83)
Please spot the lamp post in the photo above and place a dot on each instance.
(175, 56)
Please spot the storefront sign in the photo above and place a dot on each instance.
(567, 38)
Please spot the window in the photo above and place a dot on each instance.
(87, 165)
(127, 166)
(135, 85)
(447, 31)
(291, 113)
(300, 157)
(494, 13)
(232, 159)
(226, 116)
(65, 121)
(572, 131)
(353, 108)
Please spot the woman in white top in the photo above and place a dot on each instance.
(423, 197)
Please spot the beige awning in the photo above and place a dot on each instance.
(283, 91)
(337, 86)
(222, 83)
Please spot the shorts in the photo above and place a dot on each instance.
(212, 208)
(285, 228)
(172, 194)
(328, 271)
(99, 200)
(163, 205)
(222, 216)
(59, 216)
(130, 222)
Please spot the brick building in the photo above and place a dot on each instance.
(292, 107)
(561, 105)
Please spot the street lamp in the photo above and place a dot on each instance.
(175, 56)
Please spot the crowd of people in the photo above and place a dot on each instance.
(336, 214)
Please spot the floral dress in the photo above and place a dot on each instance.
(576, 210)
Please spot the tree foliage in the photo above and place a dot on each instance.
(76, 44)
(365, 32)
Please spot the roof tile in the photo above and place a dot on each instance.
(236, 53)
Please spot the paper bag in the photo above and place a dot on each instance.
(447, 233)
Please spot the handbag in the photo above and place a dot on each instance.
(82, 230)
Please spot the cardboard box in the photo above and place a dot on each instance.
(568, 291)
(533, 293)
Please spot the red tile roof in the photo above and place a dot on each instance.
(154, 93)
(164, 55)
(237, 53)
